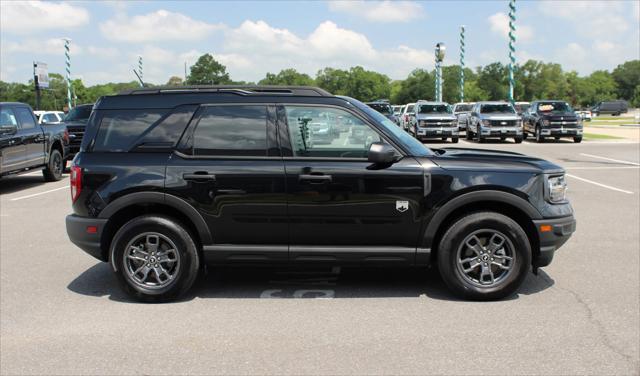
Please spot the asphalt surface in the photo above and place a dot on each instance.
(61, 311)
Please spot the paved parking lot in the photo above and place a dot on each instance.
(61, 311)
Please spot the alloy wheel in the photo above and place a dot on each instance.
(151, 260)
(485, 258)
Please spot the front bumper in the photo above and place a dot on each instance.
(500, 131)
(552, 233)
(437, 132)
(569, 132)
(88, 241)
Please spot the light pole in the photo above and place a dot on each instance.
(462, 63)
(512, 47)
(440, 48)
(140, 70)
(67, 57)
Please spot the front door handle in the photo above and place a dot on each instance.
(199, 176)
(315, 179)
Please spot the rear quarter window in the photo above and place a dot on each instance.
(119, 129)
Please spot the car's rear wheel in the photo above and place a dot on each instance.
(53, 171)
(468, 135)
(155, 258)
(484, 256)
(455, 140)
(517, 140)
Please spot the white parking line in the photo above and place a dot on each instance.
(600, 184)
(39, 193)
(603, 168)
(610, 159)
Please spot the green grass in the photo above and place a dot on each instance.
(619, 122)
(626, 118)
(593, 136)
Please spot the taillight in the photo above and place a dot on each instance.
(75, 180)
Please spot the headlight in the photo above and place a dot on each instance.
(486, 123)
(557, 188)
(545, 123)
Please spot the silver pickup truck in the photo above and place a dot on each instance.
(494, 120)
(435, 120)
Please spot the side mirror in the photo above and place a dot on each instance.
(381, 153)
(8, 129)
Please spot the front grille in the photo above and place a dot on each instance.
(503, 123)
(76, 134)
(438, 123)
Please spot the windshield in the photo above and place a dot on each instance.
(382, 108)
(434, 109)
(80, 113)
(415, 147)
(463, 108)
(497, 108)
(554, 107)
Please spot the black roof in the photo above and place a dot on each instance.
(307, 91)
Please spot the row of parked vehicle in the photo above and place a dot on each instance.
(39, 140)
(429, 120)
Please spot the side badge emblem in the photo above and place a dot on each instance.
(402, 206)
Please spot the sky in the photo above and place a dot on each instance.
(253, 38)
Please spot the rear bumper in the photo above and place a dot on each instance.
(87, 241)
(550, 241)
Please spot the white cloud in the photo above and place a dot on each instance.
(380, 11)
(28, 17)
(36, 47)
(597, 19)
(255, 48)
(103, 52)
(156, 26)
(499, 23)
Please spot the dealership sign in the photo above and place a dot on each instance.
(41, 73)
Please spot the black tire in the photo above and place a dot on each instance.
(188, 267)
(557, 138)
(517, 140)
(539, 136)
(525, 134)
(455, 140)
(452, 241)
(577, 139)
(444, 139)
(502, 139)
(468, 135)
(55, 167)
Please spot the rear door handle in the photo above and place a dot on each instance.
(315, 179)
(199, 176)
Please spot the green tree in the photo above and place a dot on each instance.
(367, 85)
(208, 71)
(492, 79)
(287, 77)
(175, 81)
(419, 85)
(627, 77)
(333, 80)
(451, 83)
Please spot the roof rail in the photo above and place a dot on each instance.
(308, 91)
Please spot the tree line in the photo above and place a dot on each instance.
(534, 80)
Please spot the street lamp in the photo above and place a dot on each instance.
(440, 49)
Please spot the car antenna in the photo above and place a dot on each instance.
(139, 79)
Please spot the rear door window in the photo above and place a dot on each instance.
(25, 117)
(232, 130)
(119, 129)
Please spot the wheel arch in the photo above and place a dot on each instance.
(501, 202)
(133, 205)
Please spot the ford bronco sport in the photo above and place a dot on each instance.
(168, 180)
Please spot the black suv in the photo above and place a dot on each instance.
(168, 180)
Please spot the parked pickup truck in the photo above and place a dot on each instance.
(26, 145)
(555, 119)
(76, 121)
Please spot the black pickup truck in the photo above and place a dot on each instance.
(26, 145)
(549, 118)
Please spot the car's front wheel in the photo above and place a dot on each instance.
(484, 256)
(539, 136)
(154, 258)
